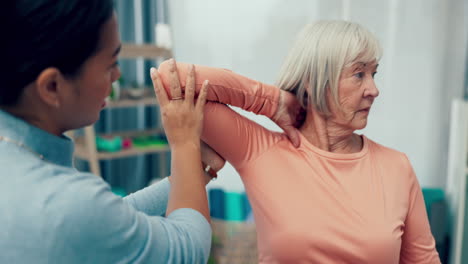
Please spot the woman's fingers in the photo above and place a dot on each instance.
(190, 85)
(293, 135)
(202, 96)
(176, 91)
(159, 90)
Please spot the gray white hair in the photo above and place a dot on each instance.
(318, 56)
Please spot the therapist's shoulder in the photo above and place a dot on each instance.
(87, 205)
(81, 201)
(95, 225)
(85, 192)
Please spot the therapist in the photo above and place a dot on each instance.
(59, 59)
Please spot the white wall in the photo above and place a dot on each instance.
(424, 45)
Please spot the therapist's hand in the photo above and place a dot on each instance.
(211, 158)
(182, 118)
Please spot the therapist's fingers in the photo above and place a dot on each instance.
(211, 157)
(201, 101)
(190, 85)
(159, 90)
(176, 90)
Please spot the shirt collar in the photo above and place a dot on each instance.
(58, 150)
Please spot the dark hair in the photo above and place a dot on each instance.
(38, 34)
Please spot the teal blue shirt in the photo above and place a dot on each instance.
(52, 213)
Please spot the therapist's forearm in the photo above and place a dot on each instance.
(151, 200)
(187, 180)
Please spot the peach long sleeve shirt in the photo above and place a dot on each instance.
(310, 205)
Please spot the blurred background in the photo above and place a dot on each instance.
(420, 111)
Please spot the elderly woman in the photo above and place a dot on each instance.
(61, 59)
(338, 197)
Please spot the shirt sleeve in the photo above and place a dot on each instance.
(236, 138)
(228, 87)
(103, 228)
(418, 244)
(151, 200)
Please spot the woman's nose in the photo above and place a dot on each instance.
(371, 89)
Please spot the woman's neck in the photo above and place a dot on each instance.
(330, 136)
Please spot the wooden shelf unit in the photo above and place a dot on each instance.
(148, 99)
(132, 51)
(85, 147)
(80, 152)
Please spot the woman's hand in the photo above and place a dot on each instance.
(289, 116)
(182, 119)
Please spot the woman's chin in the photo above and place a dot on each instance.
(361, 125)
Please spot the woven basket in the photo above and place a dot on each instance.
(233, 242)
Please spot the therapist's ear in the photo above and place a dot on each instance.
(49, 84)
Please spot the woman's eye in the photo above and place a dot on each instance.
(359, 75)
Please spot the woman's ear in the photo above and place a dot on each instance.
(47, 85)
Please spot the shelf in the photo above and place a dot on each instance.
(144, 51)
(133, 133)
(81, 152)
(148, 99)
(131, 103)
